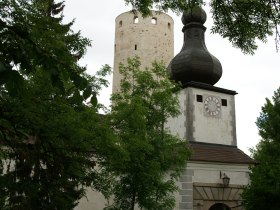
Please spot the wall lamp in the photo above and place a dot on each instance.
(225, 179)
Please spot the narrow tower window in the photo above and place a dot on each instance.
(135, 47)
(120, 23)
(199, 98)
(169, 26)
(135, 19)
(154, 21)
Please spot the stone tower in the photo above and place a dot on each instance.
(150, 38)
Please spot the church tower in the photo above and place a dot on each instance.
(217, 170)
(149, 38)
(210, 116)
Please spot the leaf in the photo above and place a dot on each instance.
(13, 81)
(79, 81)
(93, 100)
(2, 67)
(87, 92)
(57, 82)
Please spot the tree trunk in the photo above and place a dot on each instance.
(133, 202)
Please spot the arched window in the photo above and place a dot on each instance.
(120, 23)
(154, 20)
(169, 25)
(135, 19)
(219, 206)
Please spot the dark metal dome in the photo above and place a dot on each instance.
(194, 62)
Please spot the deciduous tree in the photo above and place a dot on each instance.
(154, 157)
(264, 190)
(241, 22)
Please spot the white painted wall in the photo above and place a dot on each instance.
(210, 173)
(195, 124)
(177, 125)
(207, 175)
(214, 129)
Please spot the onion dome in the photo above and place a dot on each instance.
(194, 63)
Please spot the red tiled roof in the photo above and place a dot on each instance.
(218, 153)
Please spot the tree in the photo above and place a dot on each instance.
(264, 190)
(51, 135)
(241, 22)
(154, 158)
(50, 146)
(33, 36)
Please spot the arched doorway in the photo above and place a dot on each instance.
(219, 206)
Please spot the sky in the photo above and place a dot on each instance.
(254, 78)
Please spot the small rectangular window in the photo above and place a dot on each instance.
(224, 102)
(135, 19)
(135, 47)
(199, 98)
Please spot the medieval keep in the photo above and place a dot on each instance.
(217, 170)
(149, 38)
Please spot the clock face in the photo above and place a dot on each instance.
(212, 105)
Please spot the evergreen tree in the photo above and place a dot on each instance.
(34, 37)
(154, 158)
(264, 190)
(50, 146)
(51, 135)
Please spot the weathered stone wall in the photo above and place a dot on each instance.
(150, 38)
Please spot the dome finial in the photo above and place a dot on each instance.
(194, 63)
(195, 14)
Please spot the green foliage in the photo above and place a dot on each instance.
(240, 21)
(33, 36)
(264, 189)
(51, 136)
(176, 6)
(154, 158)
(50, 146)
(269, 120)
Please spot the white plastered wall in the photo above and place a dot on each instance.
(195, 124)
(208, 175)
